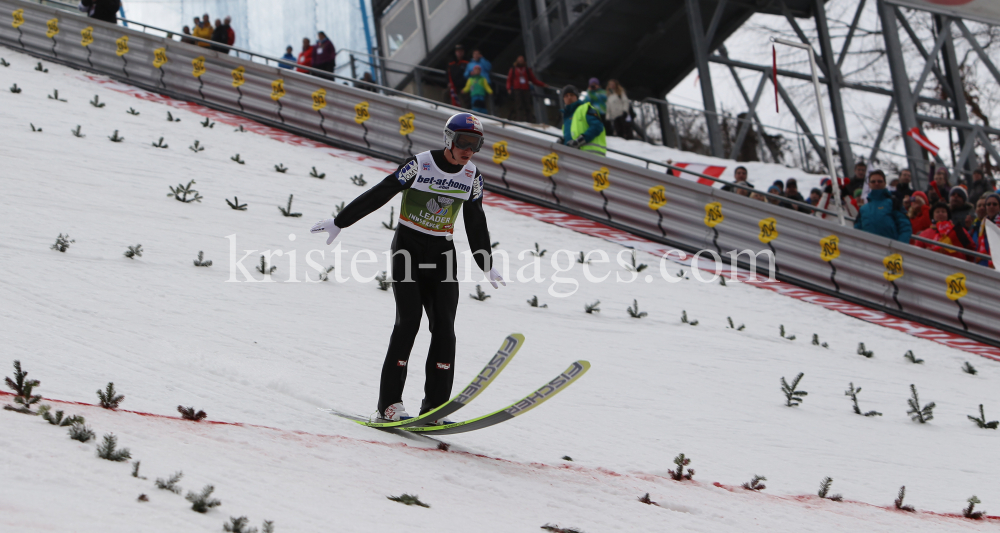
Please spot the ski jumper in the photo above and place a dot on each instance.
(424, 265)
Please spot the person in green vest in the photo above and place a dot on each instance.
(582, 124)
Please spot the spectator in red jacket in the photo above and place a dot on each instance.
(306, 55)
(945, 231)
(456, 77)
(230, 34)
(919, 212)
(520, 78)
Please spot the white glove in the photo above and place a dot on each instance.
(495, 277)
(327, 226)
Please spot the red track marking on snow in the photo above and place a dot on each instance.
(596, 472)
(582, 225)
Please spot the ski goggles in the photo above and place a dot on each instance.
(467, 141)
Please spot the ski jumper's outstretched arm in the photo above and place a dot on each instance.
(478, 232)
(375, 197)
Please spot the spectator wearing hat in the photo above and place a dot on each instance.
(792, 193)
(814, 195)
(903, 188)
(582, 124)
(981, 185)
(477, 87)
(879, 216)
(919, 212)
(187, 35)
(456, 77)
(943, 230)
(287, 57)
(775, 196)
(597, 97)
(958, 201)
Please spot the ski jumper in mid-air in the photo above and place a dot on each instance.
(435, 185)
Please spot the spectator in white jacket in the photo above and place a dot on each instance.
(619, 118)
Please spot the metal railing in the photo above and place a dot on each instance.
(267, 60)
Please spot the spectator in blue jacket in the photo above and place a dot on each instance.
(878, 216)
(289, 56)
(485, 67)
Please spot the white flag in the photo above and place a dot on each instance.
(993, 239)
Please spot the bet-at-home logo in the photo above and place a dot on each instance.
(439, 207)
(444, 185)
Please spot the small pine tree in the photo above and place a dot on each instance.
(552, 528)
(207, 123)
(107, 450)
(408, 499)
(392, 219)
(781, 330)
(267, 527)
(853, 393)
(130, 111)
(115, 138)
(645, 499)
(567, 458)
(684, 319)
(919, 414)
(23, 389)
(912, 358)
(96, 102)
(197, 146)
(262, 267)
(339, 207)
(59, 419)
(239, 525)
(722, 281)
(755, 483)
(133, 251)
(968, 511)
(634, 310)
(480, 295)
(383, 281)
(969, 369)
(537, 252)
(592, 308)
(316, 174)
(280, 167)
(287, 211)
(15, 89)
(237, 159)
(80, 432)
(203, 502)
(170, 483)
(633, 267)
(76, 133)
(170, 118)
(135, 470)
(533, 302)
(582, 259)
(181, 192)
(235, 204)
(359, 180)
(899, 501)
(824, 488)
(157, 144)
(862, 351)
(680, 474)
(200, 262)
(981, 421)
(325, 276)
(188, 413)
(793, 397)
(110, 399)
(62, 243)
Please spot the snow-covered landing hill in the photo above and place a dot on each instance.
(267, 355)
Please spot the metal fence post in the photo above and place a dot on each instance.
(354, 70)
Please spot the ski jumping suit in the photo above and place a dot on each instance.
(425, 274)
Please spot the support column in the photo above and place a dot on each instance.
(834, 80)
(905, 102)
(954, 78)
(700, 46)
(531, 55)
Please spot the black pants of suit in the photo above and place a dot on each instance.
(432, 288)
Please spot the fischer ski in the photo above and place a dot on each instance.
(507, 350)
(518, 408)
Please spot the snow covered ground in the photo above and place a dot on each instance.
(265, 356)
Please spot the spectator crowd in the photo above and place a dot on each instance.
(944, 213)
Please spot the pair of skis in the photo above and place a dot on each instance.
(507, 350)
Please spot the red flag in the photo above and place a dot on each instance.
(924, 142)
(774, 74)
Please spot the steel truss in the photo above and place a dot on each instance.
(904, 96)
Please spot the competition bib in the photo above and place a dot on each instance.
(434, 199)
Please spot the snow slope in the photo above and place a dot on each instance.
(266, 355)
